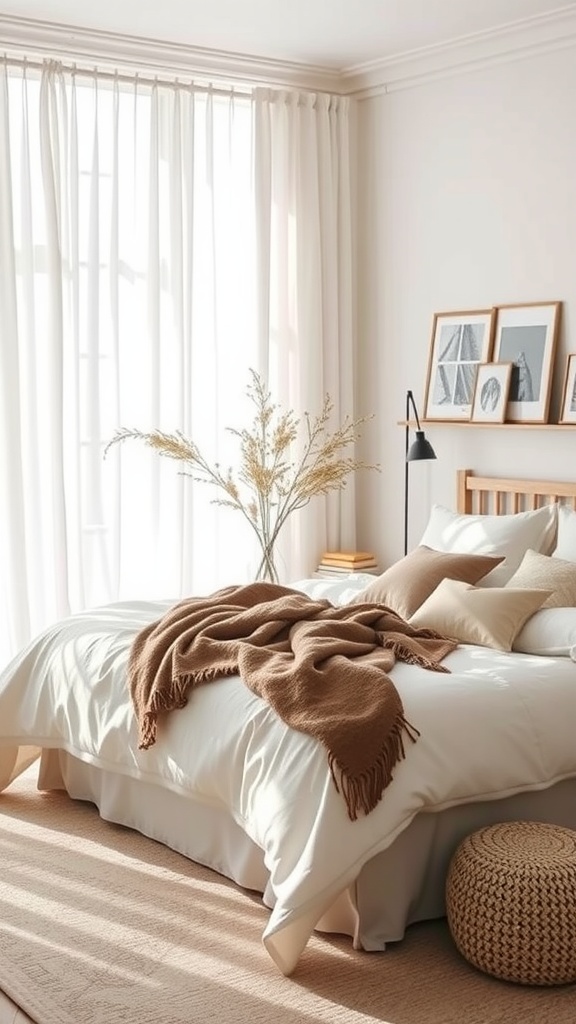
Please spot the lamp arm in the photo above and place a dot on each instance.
(421, 449)
(410, 401)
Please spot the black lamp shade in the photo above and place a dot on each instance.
(420, 449)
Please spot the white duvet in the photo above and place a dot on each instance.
(496, 725)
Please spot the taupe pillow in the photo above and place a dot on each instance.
(485, 616)
(406, 584)
(547, 573)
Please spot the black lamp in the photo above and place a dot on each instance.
(420, 449)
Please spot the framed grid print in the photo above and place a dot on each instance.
(460, 342)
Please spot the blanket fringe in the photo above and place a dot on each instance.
(363, 792)
(404, 653)
(177, 696)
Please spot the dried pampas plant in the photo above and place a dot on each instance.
(269, 485)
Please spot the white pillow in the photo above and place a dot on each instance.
(487, 618)
(550, 632)
(508, 535)
(338, 592)
(566, 543)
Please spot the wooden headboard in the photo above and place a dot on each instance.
(500, 495)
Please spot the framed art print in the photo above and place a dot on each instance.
(527, 335)
(460, 342)
(491, 392)
(568, 408)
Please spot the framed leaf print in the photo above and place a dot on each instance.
(491, 392)
(527, 335)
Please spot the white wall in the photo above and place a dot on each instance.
(467, 199)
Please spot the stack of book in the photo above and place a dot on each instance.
(343, 563)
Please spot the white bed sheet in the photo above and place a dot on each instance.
(497, 725)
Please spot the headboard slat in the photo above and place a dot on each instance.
(500, 495)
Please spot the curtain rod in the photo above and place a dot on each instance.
(186, 81)
(130, 78)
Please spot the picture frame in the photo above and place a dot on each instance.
(568, 407)
(527, 336)
(491, 392)
(460, 341)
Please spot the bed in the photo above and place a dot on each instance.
(255, 799)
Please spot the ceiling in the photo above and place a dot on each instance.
(331, 34)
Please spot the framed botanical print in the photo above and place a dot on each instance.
(568, 408)
(527, 335)
(460, 342)
(491, 392)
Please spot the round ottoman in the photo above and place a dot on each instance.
(511, 902)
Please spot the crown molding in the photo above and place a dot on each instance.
(40, 40)
(520, 39)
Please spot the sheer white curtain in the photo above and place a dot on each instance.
(304, 256)
(156, 242)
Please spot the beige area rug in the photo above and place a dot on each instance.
(99, 925)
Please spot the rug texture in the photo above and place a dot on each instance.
(99, 925)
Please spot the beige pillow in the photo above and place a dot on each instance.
(488, 617)
(547, 573)
(406, 584)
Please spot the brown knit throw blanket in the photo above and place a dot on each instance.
(323, 669)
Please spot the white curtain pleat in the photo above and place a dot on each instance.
(53, 142)
(32, 565)
(176, 289)
(79, 593)
(305, 325)
(156, 243)
(115, 504)
(184, 122)
(16, 619)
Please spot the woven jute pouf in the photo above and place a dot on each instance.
(511, 902)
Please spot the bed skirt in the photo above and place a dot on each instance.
(396, 888)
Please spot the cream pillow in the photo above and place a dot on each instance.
(546, 573)
(566, 542)
(509, 536)
(489, 617)
(406, 584)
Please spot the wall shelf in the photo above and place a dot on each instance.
(490, 426)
